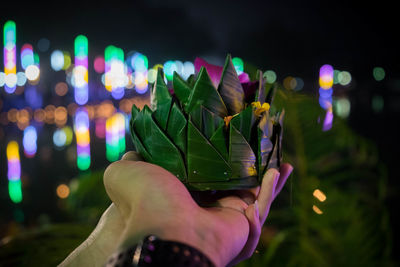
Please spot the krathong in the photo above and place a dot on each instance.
(214, 131)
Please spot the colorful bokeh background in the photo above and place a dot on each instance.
(70, 73)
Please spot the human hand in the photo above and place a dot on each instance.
(150, 200)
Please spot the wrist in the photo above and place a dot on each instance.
(190, 228)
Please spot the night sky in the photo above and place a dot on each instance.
(291, 37)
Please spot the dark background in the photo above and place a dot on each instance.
(292, 38)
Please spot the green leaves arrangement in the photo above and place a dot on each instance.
(211, 138)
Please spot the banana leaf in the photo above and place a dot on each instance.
(242, 158)
(162, 151)
(161, 100)
(210, 122)
(176, 127)
(140, 147)
(205, 164)
(243, 183)
(182, 89)
(204, 93)
(230, 88)
(244, 122)
(197, 117)
(191, 80)
(219, 141)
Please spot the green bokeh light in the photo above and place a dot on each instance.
(15, 191)
(378, 73)
(270, 76)
(81, 46)
(238, 64)
(83, 162)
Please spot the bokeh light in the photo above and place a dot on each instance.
(82, 138)
(169, 69)
(326, 76)
(115, 136)
(98, 64)
(270, 76)
(57, 60)
(10, 56)
(29, 141)
(62, 191)
(344, 78)
(342, 107)
(238, 64)
(378, 73)
(80, 74)
(14, 172)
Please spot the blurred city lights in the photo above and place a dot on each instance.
(115, 71)
(10, 56)
(98, 64)
(57, 60)
(82, 138)
(29, 141)
(59, 138)
(115, 136)
(342, 107)
(169, 69)
(238, 64)
(378, 73)
(32, 73)
(188, 69)
(80, 73)
(270, 76)
(61, 88)
(27, 57)
(62, 191)
(14, 172)
(326, 76)
(344, 78)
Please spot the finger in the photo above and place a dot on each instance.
(132, 155)
(266, 195)
(285, 171)
(252, 215)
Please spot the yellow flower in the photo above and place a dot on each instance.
(260, 108)
(227, 119)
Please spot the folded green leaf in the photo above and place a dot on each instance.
(210, 122)
(241, 156)
(182, 89)
(204, 93)
(205, 164)
(161, 100)
(219, 141)
(244, 121)
(162, 151)
(176, 127)
(230, 88)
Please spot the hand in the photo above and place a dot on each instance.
(150, 200)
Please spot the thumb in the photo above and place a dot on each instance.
(132, 155)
